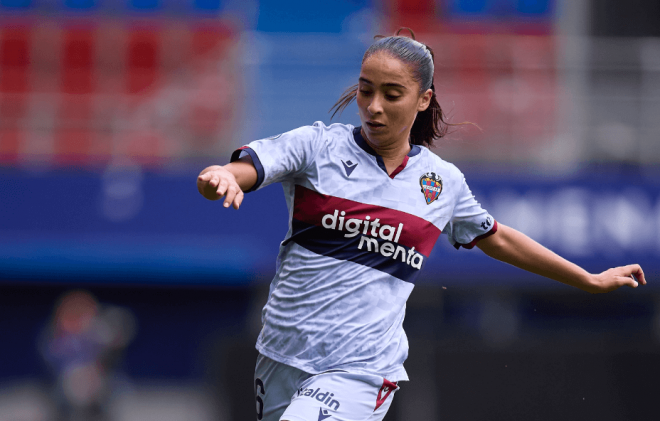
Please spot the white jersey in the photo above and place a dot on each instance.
(357, 241)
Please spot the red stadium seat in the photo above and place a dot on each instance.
(78, 61)
(142, 60)
(15, 60)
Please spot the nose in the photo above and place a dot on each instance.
(375, 106)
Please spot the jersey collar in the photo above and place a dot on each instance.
(362, 143)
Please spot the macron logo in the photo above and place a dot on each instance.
(349, 167)
(323, 414)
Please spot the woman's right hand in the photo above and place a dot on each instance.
(215, 182)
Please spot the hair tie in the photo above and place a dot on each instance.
(428, 50)
(406, 28)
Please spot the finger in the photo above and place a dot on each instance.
(617, 282)
(639, 274)
(630, 281)
(207, 176)
(231, 194)
(238, 200)
(635, 272)
(222, 188)
(214, 180)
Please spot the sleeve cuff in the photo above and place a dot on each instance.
(479, 238)
(255, 161)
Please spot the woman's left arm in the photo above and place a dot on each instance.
(513, 247)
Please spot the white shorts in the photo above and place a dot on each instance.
(286, 393)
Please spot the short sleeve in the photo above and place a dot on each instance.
(283, 156)
(469, 222)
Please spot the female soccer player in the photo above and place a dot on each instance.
(366, 206)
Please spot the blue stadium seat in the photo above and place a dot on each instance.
(16, 4)
(146, 4)
(469, 6)
(80, 4)
(501, 8)
(535, 7)
(207, 5)
(305, 15)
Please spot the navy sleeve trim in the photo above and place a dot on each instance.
(479, 238)
(255, 160)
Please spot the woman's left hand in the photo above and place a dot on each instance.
(611, 279)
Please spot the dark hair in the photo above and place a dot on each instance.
(431, 123)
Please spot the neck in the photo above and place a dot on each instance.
(392, 153)
(390, 150)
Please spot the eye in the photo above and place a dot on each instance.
(365, 92)
(393, 97)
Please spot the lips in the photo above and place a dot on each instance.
(375, 124)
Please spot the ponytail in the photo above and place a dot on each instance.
(430, 124)
(344, 101)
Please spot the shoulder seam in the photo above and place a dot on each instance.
(325, 145)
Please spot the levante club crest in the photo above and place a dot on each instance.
(431, 185)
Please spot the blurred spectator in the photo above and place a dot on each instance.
(83, 345)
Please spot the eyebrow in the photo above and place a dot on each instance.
(391, 84)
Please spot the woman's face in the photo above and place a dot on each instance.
(388, 99)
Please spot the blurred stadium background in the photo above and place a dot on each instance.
(124, 295)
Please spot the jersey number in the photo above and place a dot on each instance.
(259, 392)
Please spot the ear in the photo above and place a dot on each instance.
(424, 100)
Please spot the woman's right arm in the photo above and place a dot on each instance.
(230, 181)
